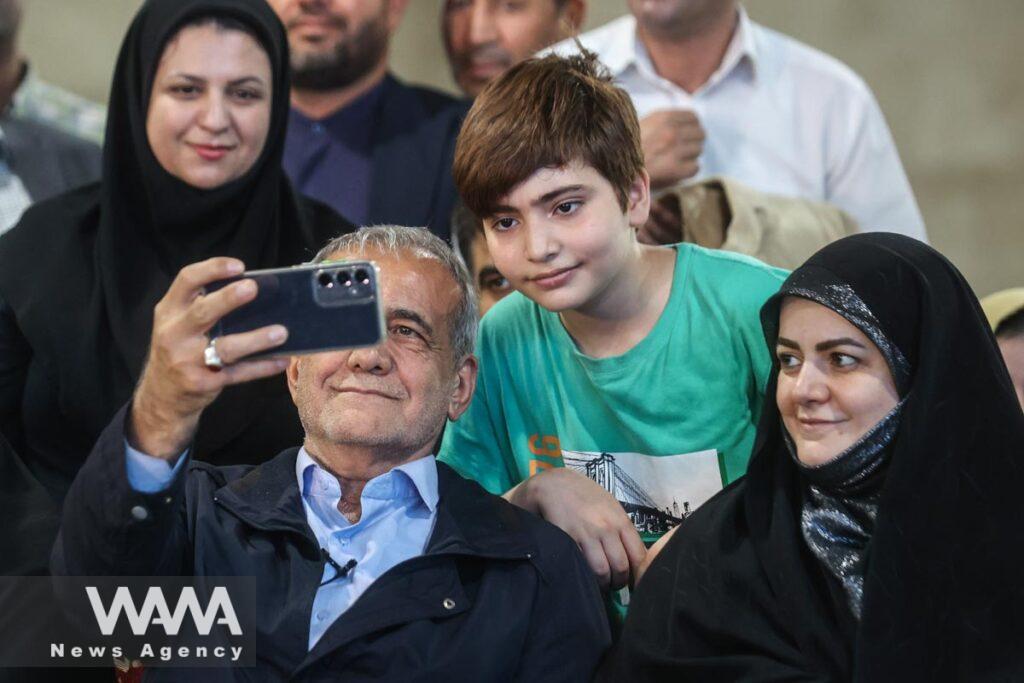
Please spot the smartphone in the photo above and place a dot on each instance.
(325, 306)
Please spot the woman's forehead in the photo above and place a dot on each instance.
(815, 322)
(216, 52)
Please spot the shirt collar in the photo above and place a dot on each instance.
(625, 49)
(421, 473)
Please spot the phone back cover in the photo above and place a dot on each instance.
(288, 297)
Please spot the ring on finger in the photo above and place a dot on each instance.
(210, 357)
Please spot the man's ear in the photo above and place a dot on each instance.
(638, 200)
(291, 374)
(464, 386)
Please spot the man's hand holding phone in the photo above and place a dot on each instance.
(176, 384)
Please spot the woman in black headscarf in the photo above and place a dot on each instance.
(80, 275)
(879, 532)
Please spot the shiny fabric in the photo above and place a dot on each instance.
(838, 515)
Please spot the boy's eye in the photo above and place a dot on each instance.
(505, 223)
(566, 208)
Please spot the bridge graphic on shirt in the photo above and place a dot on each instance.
(646, 514)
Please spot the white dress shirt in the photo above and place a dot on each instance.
(780, 117)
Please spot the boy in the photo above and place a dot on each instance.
(617, 371)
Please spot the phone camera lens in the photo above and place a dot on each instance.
(325, 280)
(362, 277)
(344, 278)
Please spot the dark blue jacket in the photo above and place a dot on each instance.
(413, 149)
(498, 595)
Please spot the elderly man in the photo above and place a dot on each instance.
(380, 563)
(483, 38)
(778, 115)
(359, 140)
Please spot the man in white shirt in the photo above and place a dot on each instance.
(778, 115)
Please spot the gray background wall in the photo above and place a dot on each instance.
(948, 75)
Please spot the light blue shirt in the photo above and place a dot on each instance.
(399, 508)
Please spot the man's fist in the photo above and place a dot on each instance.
(672, 140)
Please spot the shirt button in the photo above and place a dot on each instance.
(320, 616)
(318, 128)
(140, 513)
(344, 541)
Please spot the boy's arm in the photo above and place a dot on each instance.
(478, 447)
(590, 515)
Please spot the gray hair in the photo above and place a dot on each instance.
(420, 242)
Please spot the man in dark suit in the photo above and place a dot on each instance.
(375, 149)
(372, 561)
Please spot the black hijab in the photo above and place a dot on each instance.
(737, 595)
(83, 272)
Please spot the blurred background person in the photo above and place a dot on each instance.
(483, 38)
(1005, 313)
(31, 99)
(360, 140)
(468, 236)
(37, 160)
(777, 115)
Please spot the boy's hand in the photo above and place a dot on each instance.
(672, 140)
(591, 516)
(176, 385)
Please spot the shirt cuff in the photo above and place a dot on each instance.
(147, 474)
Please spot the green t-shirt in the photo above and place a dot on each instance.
(661, 426)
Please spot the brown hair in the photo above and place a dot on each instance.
(545, 113)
